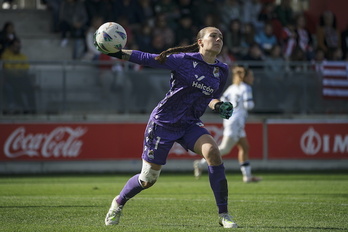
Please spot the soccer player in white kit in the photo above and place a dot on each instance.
(241, 97)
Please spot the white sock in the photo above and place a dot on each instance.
(114, 204)
(246, 169)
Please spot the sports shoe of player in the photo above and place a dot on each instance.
(114, 214)
(252, 179)
(226, 221)
(197, 168)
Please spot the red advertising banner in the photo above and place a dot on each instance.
(95, 141)
(296, 140)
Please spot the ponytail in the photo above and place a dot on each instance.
(163, 55)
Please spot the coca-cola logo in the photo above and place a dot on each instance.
(61, 142)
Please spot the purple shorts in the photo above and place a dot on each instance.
(159, 140)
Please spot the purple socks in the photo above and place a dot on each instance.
(218, 184)
(131, 189)
(217, 180)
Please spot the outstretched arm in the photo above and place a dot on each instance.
(122, 54)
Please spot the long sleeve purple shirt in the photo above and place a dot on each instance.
(193, 84)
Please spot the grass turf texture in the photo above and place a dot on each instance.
(281, 202)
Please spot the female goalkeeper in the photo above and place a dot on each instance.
(197, 81)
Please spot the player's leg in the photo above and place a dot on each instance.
(157, 144)
(227, 143)
(198, 166)
(229, 140)
(243, 158)
(147, 178)
(207, 147)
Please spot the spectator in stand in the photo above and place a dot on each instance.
(186, 7)
(211, 21)
(275, 63)
(266, 39)
(7, 35)
(73, 20)
(284, 12)
(157, 43)
(163, 29)
(255, 55)
(297, 57)
(54, 7)
(185, 33)
(18, 83)
(337, 55)
(126, 9)
(99, 8)
(207, 12)
(234, 38)
(304, 37)
(168, 9)
(251, 10)
(344, 40)
(267, 12)
(288, 40)
(91, 52)
(144, 37)
(248, 37)
(145, 14)
(318, 59)
(229, 11)
(268, 15)
(328, 36)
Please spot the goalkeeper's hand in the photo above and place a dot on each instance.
(117, 54)
(225, 109)
(96, 44)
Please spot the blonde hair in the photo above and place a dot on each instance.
(188, 48)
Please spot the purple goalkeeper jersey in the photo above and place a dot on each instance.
(193, 84)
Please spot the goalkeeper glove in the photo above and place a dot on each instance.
(224, 109)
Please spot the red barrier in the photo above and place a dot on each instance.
(95, 141)
(294, 140)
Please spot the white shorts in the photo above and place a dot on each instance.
(234, 128)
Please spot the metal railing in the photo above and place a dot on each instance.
(83, 87)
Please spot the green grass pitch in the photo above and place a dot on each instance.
(281, 202)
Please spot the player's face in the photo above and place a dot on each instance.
(212, 40)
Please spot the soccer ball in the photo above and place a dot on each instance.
(111, 37)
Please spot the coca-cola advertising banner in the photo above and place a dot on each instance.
(96, 141)
(295, 140)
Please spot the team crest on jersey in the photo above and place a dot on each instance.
(216, 72)
(195, 64)
(200, 124)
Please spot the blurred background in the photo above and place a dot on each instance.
(62, 101)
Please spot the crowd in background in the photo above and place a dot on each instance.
(253, 30)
